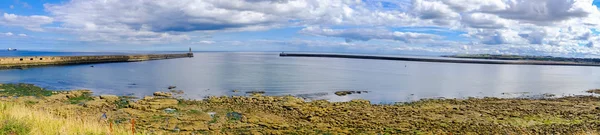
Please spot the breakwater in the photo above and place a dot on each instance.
(34, 61)
(444, 60)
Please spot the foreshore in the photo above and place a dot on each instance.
(443, 60)
(79, 112)
(36, 61)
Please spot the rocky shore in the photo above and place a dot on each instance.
(161, 113)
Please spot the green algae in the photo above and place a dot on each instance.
(22, 89)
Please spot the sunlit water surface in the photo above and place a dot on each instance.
(219, 73)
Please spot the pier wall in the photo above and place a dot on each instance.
(443, 60)
(25, 61)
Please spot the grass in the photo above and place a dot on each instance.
(22, 89)
(20, 120)
(12, 126)
(122, 102)
(193, 111)
(81, 99)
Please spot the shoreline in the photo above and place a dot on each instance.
(165, 113)
(441, 60)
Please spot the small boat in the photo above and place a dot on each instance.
(11, 49)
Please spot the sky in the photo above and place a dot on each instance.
(416, 27)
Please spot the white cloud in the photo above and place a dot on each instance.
(8, 34)
(33, 22)
(369, 34)
(204, 42)
(541, 25)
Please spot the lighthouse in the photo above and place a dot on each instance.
(190, 54)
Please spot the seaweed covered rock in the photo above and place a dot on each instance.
(109, 98)
(162, 94)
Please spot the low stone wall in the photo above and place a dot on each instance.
(29, 61)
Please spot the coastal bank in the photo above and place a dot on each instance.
(28, 109)
(34, 61)
(443, 60)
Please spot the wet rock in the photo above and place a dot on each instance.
(109, 98)
(313, 95)
(162, 94)
(361, 101)
(344, 93)
(595, 91)
(177, 91)
(255, 92)
(172, 87)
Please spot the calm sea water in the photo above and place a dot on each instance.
(218, 73)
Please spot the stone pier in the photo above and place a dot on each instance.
(34, 61)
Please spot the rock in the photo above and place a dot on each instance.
(109, 98)
(95, 104)
(162, 94)
(194, 127)
(344, 93)
(77, 93)
(138, 106)
(177, 91)
(597, 108)
(172, 87)
(361, 101)
(234, 116)
(255, 92)
(148, 98)
(163, 101)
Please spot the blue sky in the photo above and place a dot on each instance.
(533, 27)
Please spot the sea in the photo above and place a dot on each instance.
(235, 73)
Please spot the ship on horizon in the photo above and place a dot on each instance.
(11, 49)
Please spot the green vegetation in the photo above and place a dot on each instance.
(122, 102)
(81, 98)
(12, 126)
(22, 89)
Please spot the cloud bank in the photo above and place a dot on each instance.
(540, 26)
